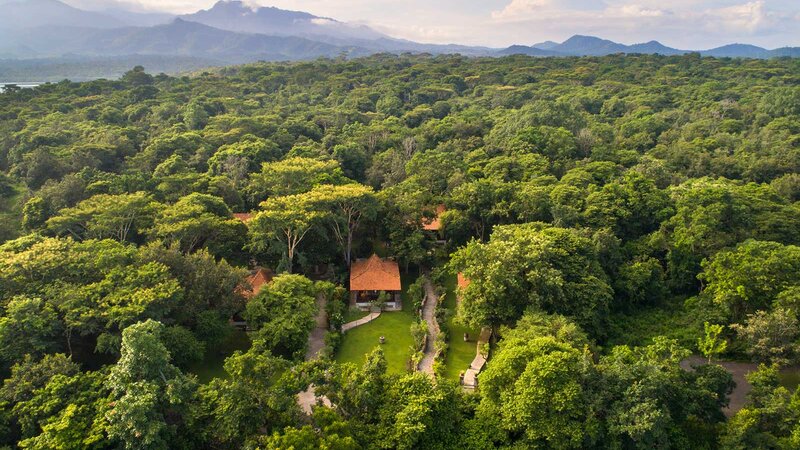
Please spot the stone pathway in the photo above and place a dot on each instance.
(357, 323)
(316, 342)
(429, 315)
(471, 374)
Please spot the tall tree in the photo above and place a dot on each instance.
(286, 220)
(349, 205)
(120, 217)
(150, 394)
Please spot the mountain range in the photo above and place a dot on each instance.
(233, 32)
(592, 46)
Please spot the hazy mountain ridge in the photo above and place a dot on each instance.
(580, 45)
(232, 32)
(181, 38)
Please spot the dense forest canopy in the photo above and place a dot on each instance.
(613, 215)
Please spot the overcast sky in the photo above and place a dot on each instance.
(686, 24)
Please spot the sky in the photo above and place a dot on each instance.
(684, 24)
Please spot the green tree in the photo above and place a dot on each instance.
(286, 220)
(254, 399)
(751, 276)
(540, 390)
(712, 344)
(293, 176)
(283, 314)
(349, 205)
(533, 266)
(30, 327)
(771, 337)
(197, 221)
(149, 392)
(120, 217)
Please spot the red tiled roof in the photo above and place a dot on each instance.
(434, 224)
(462, 280)
(375, 274)
(257, 280)
(244, 217)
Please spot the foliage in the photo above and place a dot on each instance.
(590, 202)
(283, 314)
(712, 344)
(533, 266)
(771, 337)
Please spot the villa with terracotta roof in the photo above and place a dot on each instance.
(434, 224)
(257, 280)
(244, 217)
(369, 277)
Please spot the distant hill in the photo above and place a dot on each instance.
(588, 46)
(180, 38)
(523, 50)
(738, 51)
(23, 14)
(239, 17)
(579, 45)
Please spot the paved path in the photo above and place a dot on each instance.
(475, 367)
(429, 315)
(316, 342)
(357, 323)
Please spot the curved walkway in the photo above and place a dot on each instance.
(357, 323)
(316, 342)
(429, 314)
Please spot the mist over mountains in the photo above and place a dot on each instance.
(233, 32)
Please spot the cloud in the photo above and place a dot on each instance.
(522, 10)
(323, 21)
(636, 11)
(749, 16)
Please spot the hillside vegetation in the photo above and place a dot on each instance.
(613, 215)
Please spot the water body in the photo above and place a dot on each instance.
(22, 84)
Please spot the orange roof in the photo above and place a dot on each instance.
(244, 217)
(375, 274)
(257, 280)
(434, 224)
(462, 280)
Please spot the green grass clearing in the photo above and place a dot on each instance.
(394, 325)
(459, 353)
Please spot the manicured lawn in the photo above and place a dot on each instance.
(394, 325)
(212, 366)
(459, 353)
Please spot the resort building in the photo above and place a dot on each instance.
(372, 276)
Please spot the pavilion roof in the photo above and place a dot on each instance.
(434, 224)
(375, 274)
